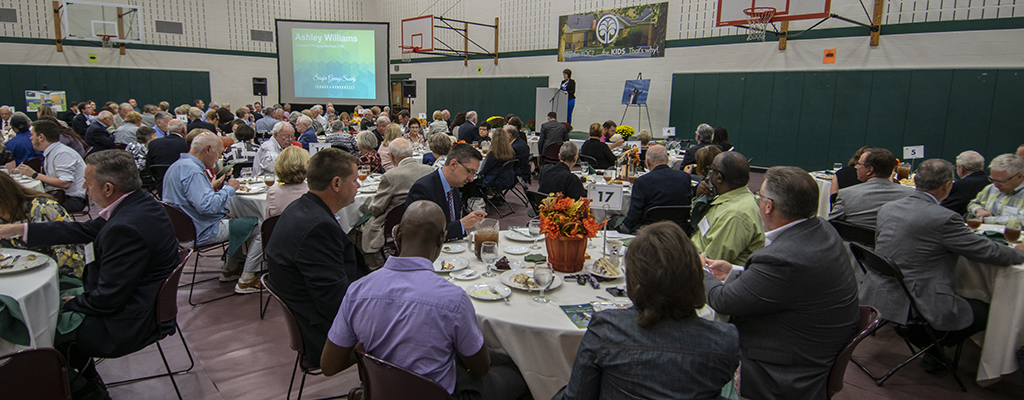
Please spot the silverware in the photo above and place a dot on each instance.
(495, 291)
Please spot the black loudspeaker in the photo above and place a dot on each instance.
(259, 86)
(409, 88)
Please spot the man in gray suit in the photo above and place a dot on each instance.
(925, 240)
(795, 301)
(859, 204)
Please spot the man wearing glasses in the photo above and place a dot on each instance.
(859, 204)
(1002, 199)
(442, 188)
(731, 229)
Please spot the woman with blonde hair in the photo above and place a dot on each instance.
(492, 178)
(438, 125)
(22, 205)
(290, 168)
(392, 132)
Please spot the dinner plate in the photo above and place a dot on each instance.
(458, 263)
(593, 271)
(519, 237)
(507, 279)
(253, 190)
(516, 250)
(10, 266)
(465, 275)
(453, 248)
(482, 291)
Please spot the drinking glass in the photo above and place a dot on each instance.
(1012, 231)
(489, 253)
(973, 221)
(269, 180)
(485, 145)
(246, 174)
(364, 171)
(609, 174)
(585, 168)
(535, 231)
(542, 276)
(837, 166)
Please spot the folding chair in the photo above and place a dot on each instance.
(591, 161)
(535, 198)
(61, 197)
(383, 380)
(854, 233)
(885, 267)
(167, 312)
(551, 153)
(266, 230)
(36, 163)
(507, 168)
(39, 373)
(866, 325)
(185, 230)
(157, 171)
(393, 218)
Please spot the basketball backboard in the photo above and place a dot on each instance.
(87, 20)
(418, 34)
(731, 12)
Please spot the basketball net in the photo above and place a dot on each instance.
(407, 53)
(758, 19)
(105, 41)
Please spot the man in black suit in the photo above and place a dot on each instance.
(70, 114)
(168, 149)
(663, 186)
(311, 260)
(97, 136)
(795, 301)
(970, 167)
(558, 177)
(703, 137)
(522, 150)
(468, 131)
(81, 121)
(552, 131)
(442, 188)
(195, 117)
(135, 251)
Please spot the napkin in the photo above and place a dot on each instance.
(535, 258)
(68, 320)
(240, 229)
(12, 323)
(994, 236)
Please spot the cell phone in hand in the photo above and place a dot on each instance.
(224, 170)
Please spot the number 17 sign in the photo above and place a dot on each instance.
(602, 196)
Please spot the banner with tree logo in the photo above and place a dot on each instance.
(628, 32)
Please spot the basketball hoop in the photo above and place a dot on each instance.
(758, 19)
(407, 52)
(105, 41)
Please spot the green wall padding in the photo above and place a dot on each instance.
(488, 96)
(813, 119)
(103, 84)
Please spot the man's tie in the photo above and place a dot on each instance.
(451, 205)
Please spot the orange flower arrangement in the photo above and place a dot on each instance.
(563, 216)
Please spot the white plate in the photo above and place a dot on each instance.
(593, 271)
(22, 264)
(453, 248)
(482, 291)
(519, 237)
(465, 275)
(459, 263)
(517, 250)
(506, 278)
(253, 190)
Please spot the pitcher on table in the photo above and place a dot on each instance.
(486, 231)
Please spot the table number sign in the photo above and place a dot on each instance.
(911, 152)
(605, 195)
(315, 147)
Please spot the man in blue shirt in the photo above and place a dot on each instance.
(187, 187)
(21, 143)
(305, 125)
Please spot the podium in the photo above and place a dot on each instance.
(548, 100)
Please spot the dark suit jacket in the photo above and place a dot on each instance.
(663, 186)
(691, 153)
(80, 123)
(925, 241)
(136, 250)
(551, 132)
(69, 117)
(200, 124)
(558, 178)
(964, 190)
(522, 150)
(594, 147)
(97, 137)
(312, 262)
(166, 150)
(469, 132)
(430, 188)
(795, 306)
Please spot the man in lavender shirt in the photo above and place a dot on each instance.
(407, 314)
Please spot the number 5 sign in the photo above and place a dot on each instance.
(602, 196)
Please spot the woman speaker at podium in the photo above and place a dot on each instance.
(569, 87)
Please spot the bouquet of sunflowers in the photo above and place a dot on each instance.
(496, 122)
(563, 216)
(625, 130)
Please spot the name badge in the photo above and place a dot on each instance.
(90, 255)
(704, 226)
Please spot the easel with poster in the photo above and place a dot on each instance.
(635, 94)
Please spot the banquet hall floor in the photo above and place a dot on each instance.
(238, 355)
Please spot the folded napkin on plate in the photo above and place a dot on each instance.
(12, 323)
(535, 258)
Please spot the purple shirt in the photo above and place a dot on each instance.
(406, 314)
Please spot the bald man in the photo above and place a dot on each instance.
(663, 186)
(407, 314)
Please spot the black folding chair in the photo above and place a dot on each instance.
(157, 171)
(266, 230)
(185, 231)
(535, 199)
(507, 168)
(883, 266)
(678, 214)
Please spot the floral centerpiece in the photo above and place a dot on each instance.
(566, 225)
(423, 123)
(531, 124)
(496, 122)
(625, 130)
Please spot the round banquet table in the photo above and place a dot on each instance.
(30, 183)
(539, 337)
(1004, 332)
(38, 295)
(243, 205)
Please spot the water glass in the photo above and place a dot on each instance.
(585, 168)
(246, 174)
(542, 276)
(489, 254)
(535, 232)
(837, 166)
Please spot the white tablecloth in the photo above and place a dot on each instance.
(30, 183)
(824, 189)
(37, 292)
(255, 205)
(1002, 288)
(540, 338)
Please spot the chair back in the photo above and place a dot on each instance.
(59, 195)
(393, 218)
(39, 373)
(551, 153)
(589, 160)
(866, 325)
(535, 198)
(854, 233)
(236, 171)
(184, 228)
(120, 146)
(678, 214)
(36, 163)
(883, 266)
(267, 229)
(167, 297)
(294, 335)
(157, 171)
(383, 380)
(507, 169)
